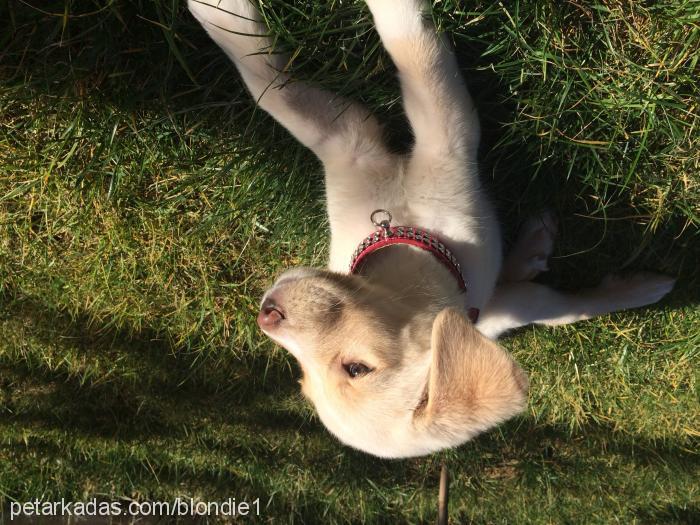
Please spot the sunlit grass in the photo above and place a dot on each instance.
(145, 204)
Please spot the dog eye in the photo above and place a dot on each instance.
(356, 369)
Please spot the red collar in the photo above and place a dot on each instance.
(387, 235)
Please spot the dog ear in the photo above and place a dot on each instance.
(473, 383)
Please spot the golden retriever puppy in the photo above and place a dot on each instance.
(396, 338)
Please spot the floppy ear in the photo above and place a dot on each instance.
(473, 383)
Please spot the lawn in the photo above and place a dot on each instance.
(145, 205)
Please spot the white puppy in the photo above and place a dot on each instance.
(391, 357)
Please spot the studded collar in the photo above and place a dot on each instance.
(387, 235)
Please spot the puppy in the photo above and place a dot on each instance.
(398, 355)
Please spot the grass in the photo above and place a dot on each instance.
(145, 205)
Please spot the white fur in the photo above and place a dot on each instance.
(435, 187)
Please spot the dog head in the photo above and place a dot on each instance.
(384, 379)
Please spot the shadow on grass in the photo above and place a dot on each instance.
(157, 391)
(130, 384)
(154, 391)
(670, 514)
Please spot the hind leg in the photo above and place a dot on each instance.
(532, 249)
(522, 303)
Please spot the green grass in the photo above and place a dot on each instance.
(145, 205)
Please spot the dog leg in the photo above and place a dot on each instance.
(528, 256)
(329, 125)
(519, 304)
(442, 174)
(436, 100)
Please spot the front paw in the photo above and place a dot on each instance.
(229, 17)
(638, 289)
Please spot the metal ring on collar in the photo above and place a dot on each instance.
(380, 224)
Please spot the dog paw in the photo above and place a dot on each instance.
(532, 248)
(638, 289)
(228, 18)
